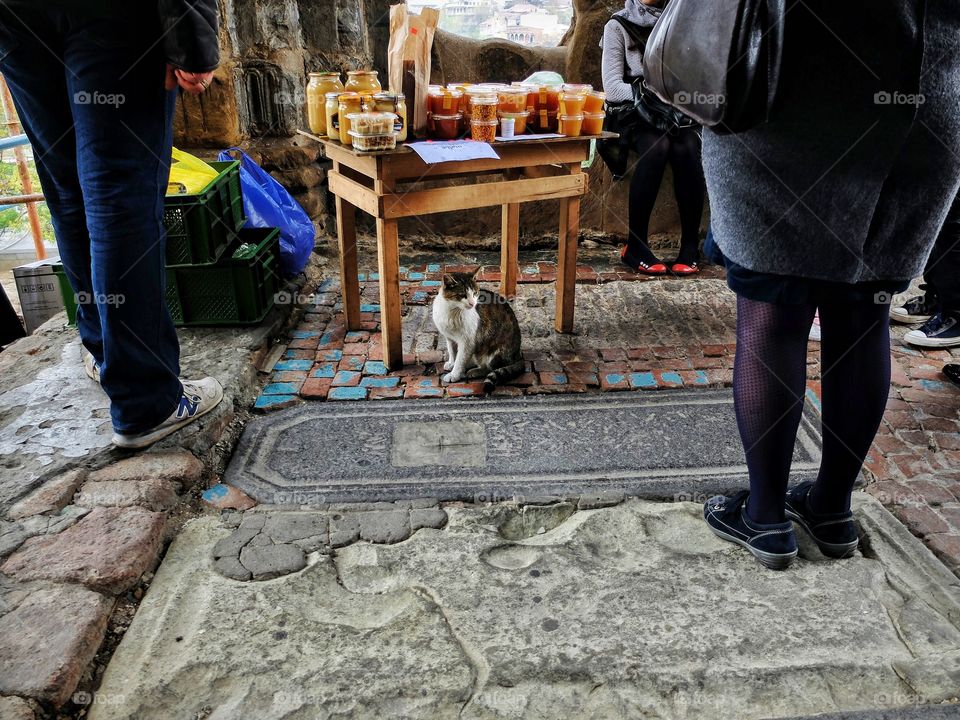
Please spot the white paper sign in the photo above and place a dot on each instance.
(540, 136)
(438, 151)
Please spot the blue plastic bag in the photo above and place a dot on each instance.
(268, 204)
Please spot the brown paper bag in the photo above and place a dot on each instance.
(408, 60)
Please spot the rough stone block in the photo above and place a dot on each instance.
(154, 493)
(427, 518)
(267, 562)
(48, 640)
(108, 550)
(385, 526)
(52, 496)
(344, 529)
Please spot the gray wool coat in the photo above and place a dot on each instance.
(852, 179)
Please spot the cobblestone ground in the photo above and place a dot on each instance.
(631, 333)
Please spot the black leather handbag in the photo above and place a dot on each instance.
(718, 62)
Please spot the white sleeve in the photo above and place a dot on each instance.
(613, 64)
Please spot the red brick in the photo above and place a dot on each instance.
(720, 378)
(554, 378)
(940, 425)
(900, 420)
(707, 363)
(584, 378)
(426, 357)
(386, 393)
(947, 548)
(356, 337)
(666, 352)
(621, 367)
(315, 388)
(714, 350)
(524, 380)
(664, 382)
(930, 493)
(580, 366)
(355, 349)
(299, 354)
(947, 441)
(890, 492)
(411, 391)
(465, 389)
(549, 365)
(613, 354)
(921, 520)
(506, 391)
(951, 513)
(289, 375)
(890, 445)
(304, 343)
(898, 377)
(639, 354)
(422, 380)
(622, 384)
(940, 410)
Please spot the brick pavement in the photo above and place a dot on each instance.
(634, 333)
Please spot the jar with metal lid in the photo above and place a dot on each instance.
(332, 114)
(348, 102)
(392, 103)
(319, 85)
(364, 82)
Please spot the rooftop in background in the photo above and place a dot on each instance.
(542, 23)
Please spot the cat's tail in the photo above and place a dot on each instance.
(500, 374)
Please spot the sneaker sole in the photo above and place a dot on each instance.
(771, 561)
(837, 551)
(909, 319)
(143, 441)
(931, 342)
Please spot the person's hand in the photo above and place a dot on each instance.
(194, 83)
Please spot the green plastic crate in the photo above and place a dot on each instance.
(238, 290)
(201, 226)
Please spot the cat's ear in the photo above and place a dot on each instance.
(473, 275)
(448, 280)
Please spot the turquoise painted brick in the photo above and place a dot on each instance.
(672, 377)
(324, 370)
(293, 365)
(265, 402)
(422, 392)
(418, 297)
(426, 382)
(304, 334)
(404, 269)
(433, 267)
(932, 385)
(373, 277)
(558, 378)
(374, 367)
(353, 363)
(330, 355)
(326, 339)
(700, 378)
(460, 391)
(642, 380)
(345, 377)
(531, 270)
(281, 388)
(369, 308)
(814, 400)
(362, 277)
(614, 378)
(326, 285)
(347, 393)
(380, 382)
(415, 276)
(430, 283)
(354, 335)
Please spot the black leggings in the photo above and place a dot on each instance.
(654, 151)
(769, 384)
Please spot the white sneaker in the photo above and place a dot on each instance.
(199, 397)
(90, 366)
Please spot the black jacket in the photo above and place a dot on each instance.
(189, 28)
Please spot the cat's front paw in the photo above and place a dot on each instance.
(448, 365)
(450, 378)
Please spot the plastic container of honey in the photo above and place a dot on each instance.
(372, 123)
(476, 91)
(512, 99)
(332, 115)
(593, 123)
(593, 101)
(519, 120)
(483, 130)
(443, 101)
(347, 104)
(577, 88)
(446, 127)
(319, 85)
(546, 121)
(570, 125)
(571, 103)
(548, 98)
(484, 108)
(364, 82)
(373, 143)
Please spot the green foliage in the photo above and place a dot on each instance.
(10, 185)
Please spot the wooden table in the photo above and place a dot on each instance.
(395, 184)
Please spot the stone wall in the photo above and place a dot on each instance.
(257, 101)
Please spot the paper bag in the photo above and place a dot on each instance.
(408, 60)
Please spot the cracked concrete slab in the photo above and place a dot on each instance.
(635, 610)
(655, 444)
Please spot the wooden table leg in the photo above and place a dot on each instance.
(388, 257)
(509, 243)
(347, 241)
(567, 262)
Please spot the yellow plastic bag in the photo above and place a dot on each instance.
(188, 174)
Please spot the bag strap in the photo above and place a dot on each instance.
(637, 33)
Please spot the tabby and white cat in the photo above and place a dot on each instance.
(482, 333)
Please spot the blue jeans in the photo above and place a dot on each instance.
(89, 92)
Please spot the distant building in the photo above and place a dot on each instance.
(540, 22)
(526, 24)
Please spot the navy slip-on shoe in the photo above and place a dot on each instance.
(774, 545)
(835, 534)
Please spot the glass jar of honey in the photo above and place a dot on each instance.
(332, 115)
(364, 82)
(446, 127)
(391, 103)
(348, 102)
(319, 85)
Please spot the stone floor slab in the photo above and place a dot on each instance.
(629, 611)
(646, 443)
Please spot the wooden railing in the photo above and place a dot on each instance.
(17, 140)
